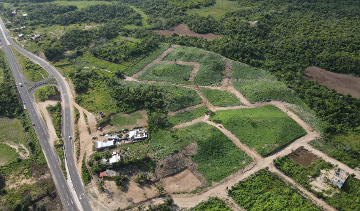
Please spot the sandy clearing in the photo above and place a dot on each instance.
(46, 115)
(185, 181)
(183, 30)
(227, 73)
(16, 147)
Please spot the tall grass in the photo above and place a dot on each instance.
(173, 73)
(220, 98)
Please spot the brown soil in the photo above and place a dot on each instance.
(183, 30)
(185, 181)
(303, 157)
(342, 83)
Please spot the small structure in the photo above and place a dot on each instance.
(138, 134)
(339, 178)
(104, 161)
(37, 36)
(109, 174)
(14, 12)
(24, 15)
(255, 22)
(115, 158)
(21, 35)
(100, 145)
(23, 27)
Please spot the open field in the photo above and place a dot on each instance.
(241, 71)
(220, 98)
(265, 128)
(187, 116)
(342, 147)
(212, 204)
(81, 4)
(120, 120)
(11, 131)
(260, 91)
(218, 10)
(340, 199)
(173, 73)
(342, 83)
(183, 30)
(211, 67)
(91, 62)
(8, 154)
(264, 189)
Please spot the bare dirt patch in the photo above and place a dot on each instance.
(303, 157)
(322, 182)
(342, 83)
(182, 182)
(183, 30)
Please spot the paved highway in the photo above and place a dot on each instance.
(40, 128)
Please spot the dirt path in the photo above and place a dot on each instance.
(16, 147)
(227, 73)
(157, 60)
(193, 71)
(44, 112)
(172, 113)
(186, 124)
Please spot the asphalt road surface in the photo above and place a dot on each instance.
(41, 130)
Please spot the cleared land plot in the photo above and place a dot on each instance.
(217, 156)
(146, 60)
(303, 157)
(211, 67)
(8, 154)
(174, 73)
(346, 198)
(81, 4)
(241, 71)
(120, 120)
(342, 83)
(220, 98)
(187, 116)
(260, 91)
(264, 190)
(211, 204)
(265, 128)
(342, 147)
(11, 131)
(90, 61)
(183, 30)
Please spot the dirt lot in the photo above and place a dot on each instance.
(183, 30)
(342, 83)
(303, 157)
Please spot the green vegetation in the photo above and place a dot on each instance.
(80, 4)
(173, 73)
(76, 114)
(241, 71)
(220, 98)
(45, 93)
(342, 147)
(146, 60)
(264, 189)
(11, 131)
(59, 146)
(217, 156)
(120, 120)
(8, 154)
(32, 72)
(217, 10)
(265, 128)
(308, 116)
(144, 17)
(85, 173)
(90, 60)
(260, 91)
(187, 116)
(211, 205)
(55, 113)
(211, 67)
(342, 199)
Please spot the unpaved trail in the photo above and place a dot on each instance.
(157, 60)
(240, 96)
(16, 147)
(206, 101)
(49, 124)
(193, 71)
(172, 113)
(227, 72)
(186, 124)
(305, 192)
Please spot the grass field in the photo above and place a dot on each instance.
(187, 116)
(211, 67)
(211, 204)
(81, 4)
(32, 72)
(217, 156)
(264, 191)
(241, 71)
(146, 60)
(260, 91)
(173, 73)
(90, 61)
(265, 128)
(218, 10)
(220, 98)
(11, 131)
(346, 198)
(8, 154)
(120, 120)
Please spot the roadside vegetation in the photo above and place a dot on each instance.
(44, 93)
(211, 67)
(55, 113)
(187, 116)
(59, 146)
(85, 175)
(275, 195)
(340, 199)
(211, 204)
(173, 73)
(265, 129)
(220, 98)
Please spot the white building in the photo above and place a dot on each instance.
(115, 158)
(99, 145)
(138, 134)
(20, 35)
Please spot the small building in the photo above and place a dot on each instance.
(255, 22)
(14, 12)
(339, 177)
(23, 27)
(24, 15)
(21, 35)
(37, 36)
(100, 145)
(109, 174)
(138, 134)
(115, 158)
